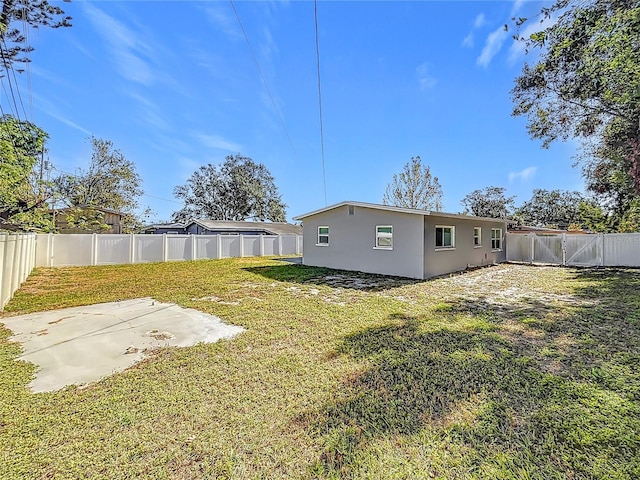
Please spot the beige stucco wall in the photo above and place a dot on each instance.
(352, 242)
(442, 261)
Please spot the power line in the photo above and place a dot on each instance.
(264, 80)
(324, 177)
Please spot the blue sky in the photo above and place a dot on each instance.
(174, 86)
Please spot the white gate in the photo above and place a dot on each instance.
(592, 250)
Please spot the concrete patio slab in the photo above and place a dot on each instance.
(81, 345)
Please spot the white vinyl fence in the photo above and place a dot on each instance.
(17, 259)
(79, 250)
(597, 250)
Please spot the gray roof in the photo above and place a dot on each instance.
(274, 228)
(390, 208)
(163, 225)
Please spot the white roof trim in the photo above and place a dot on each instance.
(390, 208)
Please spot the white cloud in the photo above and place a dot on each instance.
(522, 175)
(425, 79)
(125, 46)
(217, 142)
(480, 21)
(492, 46)
(517, 4)
(220, 18)
(468, 40)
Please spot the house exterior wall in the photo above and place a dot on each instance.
(439, 261)
(352, 239)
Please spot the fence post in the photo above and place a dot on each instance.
(164, 247)
(261, 245)
(218, 246)
(3, 267)
(193, 247)
(604, 243)
(241, 238)
(132, 248)
(279, 244)
(564, 249)
(94, 249)
(298, 237)
(532, 246)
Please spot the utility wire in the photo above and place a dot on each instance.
(324, 177)
(264, 80)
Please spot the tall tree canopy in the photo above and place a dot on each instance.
(586, 85)
(414, 187)
(488, 202)
(238, 189)
(110, 182)
(552, 208)
(35, 13)
(22, 198)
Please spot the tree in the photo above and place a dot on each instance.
(586, 85)
(110, 182)
(34, 13)
(489, 202)
(552, 208)
(22, 196)
(236, 190)
(414, 188)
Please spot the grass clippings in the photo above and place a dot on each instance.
(509, 372)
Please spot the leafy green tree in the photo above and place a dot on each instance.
(593, 218)
(15, 15)
(585, 85)
(22, 195)
(414, 187)
(238, 189)
(489, 202)
(551, 208)
(110, 182)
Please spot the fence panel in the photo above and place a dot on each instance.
(289, 244)
(583, 250)
(179, 247)
(17, 259)
(148, 248)
(112, 249)
(548, 249)
(207, 246)
(270, 245)
(230, 246)
(519, 247)
(71, 250)
(622, 249)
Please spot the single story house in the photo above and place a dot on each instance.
(398, 241)
(160, 228)
(227, 227)
(87, 219)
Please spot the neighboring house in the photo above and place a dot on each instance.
(160, 228)
(226, 227)
(399, 241)
(87, 220)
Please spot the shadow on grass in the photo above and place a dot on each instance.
(477, 380)
(334, 278)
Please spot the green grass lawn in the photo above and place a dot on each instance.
(505, 372)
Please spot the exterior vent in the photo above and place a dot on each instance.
(351, 209)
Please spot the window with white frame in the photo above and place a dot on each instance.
(477, 236)
(496, 239)
(384, 236)
(323, 235)
(445, 236)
